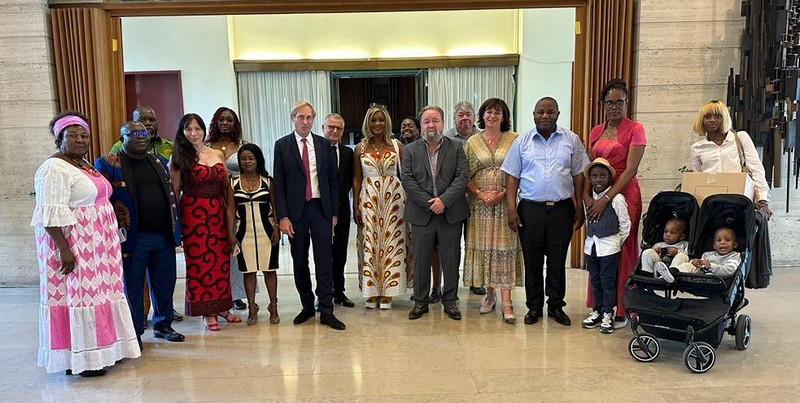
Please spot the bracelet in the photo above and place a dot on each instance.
(606, 196)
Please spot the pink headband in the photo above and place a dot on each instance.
(66, 121)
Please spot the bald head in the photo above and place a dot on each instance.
(146, 116)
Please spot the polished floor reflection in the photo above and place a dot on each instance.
(382, 356)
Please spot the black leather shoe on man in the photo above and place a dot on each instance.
(176, 317)
(531, 317)
(478, 290)
(418, 310)
(559, 315)
(303, 316)
(342, 300)
(452, 312)
(169, 334)
(330, 320)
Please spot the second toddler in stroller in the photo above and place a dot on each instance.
(674, 244)
(723, 261)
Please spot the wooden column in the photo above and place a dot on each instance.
(88, 60)
(604, 51)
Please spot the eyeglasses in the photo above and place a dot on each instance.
(139, 133)
(618, 103)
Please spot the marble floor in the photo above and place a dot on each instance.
(384, 357)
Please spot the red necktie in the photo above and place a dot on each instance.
(306, 169)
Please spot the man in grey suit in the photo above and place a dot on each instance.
(434, 174)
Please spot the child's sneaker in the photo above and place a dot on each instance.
(591, 321)
(664, 273)
(607, 324)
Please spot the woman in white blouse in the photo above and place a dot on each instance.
(719, 151)
(85, 323)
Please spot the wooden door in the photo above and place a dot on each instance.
(160, 90)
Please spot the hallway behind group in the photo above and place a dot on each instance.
(382, 356)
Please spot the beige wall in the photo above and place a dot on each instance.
(684, 52)
(27, 103)
(385, 35)
(682, 60)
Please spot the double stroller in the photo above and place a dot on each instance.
(695, 308)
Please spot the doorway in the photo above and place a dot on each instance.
(161, 90)
(401, 92)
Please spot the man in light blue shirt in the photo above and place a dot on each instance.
(545, 164)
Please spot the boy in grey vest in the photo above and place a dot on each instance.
(604, 238)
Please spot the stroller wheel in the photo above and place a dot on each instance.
(742, 336)
(644, 348)
(699, 357)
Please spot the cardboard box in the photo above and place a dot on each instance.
(702, 184)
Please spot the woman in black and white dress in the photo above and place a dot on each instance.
(252, 223)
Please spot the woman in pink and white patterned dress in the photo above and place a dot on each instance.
(85, 323)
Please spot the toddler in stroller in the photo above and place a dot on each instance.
(674, 244)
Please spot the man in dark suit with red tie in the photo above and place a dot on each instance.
(333, 128)
(306, 204)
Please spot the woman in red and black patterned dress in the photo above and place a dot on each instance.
(198, 173)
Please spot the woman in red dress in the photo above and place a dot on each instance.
(198, 173)
(621, 141)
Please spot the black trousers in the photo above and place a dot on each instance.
(546, 232)
(341, 237)
(313, 227)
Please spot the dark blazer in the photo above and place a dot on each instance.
(290, 182)
(123, 196)
(451, 181)
(344, 180)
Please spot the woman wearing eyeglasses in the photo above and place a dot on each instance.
(621, 141)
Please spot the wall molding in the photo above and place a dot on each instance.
(376, 63)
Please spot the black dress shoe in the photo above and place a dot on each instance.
(478, 290)
(342, 300)
(330, 320)
(176, 317)
(559, 315)
(418, 310)
(452, 312)
(435, 296)
(531, 317)
(303, 316)
(239, 305)
(91, 373)
(169, 334)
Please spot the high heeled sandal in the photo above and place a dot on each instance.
(509, 317)
(273, 313)
(488, 304)
(214, 327)
(230, 318)
(252, 314)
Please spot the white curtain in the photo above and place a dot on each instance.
(266, 99)
(447, 86)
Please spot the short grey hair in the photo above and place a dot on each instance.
(333, 116)
(463, 105)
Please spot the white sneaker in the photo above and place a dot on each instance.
(607, 324)
(591, 321)
(664, 273)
